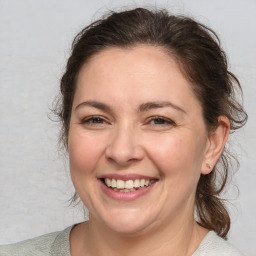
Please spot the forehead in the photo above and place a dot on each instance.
(145, 73)
(139, 59)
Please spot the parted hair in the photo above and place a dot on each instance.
(197, 50)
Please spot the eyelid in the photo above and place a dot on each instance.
(93, 117)
(167, 120)
(103, 120)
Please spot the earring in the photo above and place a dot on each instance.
(209, 166)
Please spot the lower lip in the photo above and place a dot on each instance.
(125, 196)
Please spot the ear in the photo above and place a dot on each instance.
(215, 144)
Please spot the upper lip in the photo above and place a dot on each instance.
(124, 177)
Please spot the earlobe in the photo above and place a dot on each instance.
(215, 145)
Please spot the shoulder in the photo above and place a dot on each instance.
(49, 244)
(213, 245)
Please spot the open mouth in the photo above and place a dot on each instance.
(127, 185)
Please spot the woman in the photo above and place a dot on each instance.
(146, 109)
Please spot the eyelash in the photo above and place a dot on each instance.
(158, 120)
(163, 121)
(93, 120)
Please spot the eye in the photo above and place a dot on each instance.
(160, 121)
(94, 121)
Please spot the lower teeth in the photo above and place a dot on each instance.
(128, 190)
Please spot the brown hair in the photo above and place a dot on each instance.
(197, 49)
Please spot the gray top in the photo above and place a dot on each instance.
(57, 243)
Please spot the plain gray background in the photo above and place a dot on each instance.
(35, 38)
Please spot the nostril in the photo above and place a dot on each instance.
(124, 155)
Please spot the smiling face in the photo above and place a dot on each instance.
(137, 140)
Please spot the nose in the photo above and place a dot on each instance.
(124, 148)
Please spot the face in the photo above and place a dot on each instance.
(137, 140)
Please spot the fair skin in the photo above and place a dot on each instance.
(136, 117)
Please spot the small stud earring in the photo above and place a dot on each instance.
(209, 166)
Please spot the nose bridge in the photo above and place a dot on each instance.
(124, 145)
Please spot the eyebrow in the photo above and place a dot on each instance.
(159, 104)
(95, 104)
(142, 108)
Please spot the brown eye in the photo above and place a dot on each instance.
(96, 120)
(161, 121)
(93, 120)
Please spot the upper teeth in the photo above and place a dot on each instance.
(128, 183)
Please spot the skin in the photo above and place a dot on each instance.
(169, 142)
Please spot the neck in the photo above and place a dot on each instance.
(179, 238)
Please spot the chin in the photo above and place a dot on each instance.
(128, 222)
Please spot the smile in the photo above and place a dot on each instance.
(127, 185)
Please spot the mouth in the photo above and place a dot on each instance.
(127, 186)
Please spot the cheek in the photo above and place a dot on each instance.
(177, 156)
(178, 161)
(168, 152)
(84, 152)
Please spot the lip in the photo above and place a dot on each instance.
(125, 177)
(126, 196)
